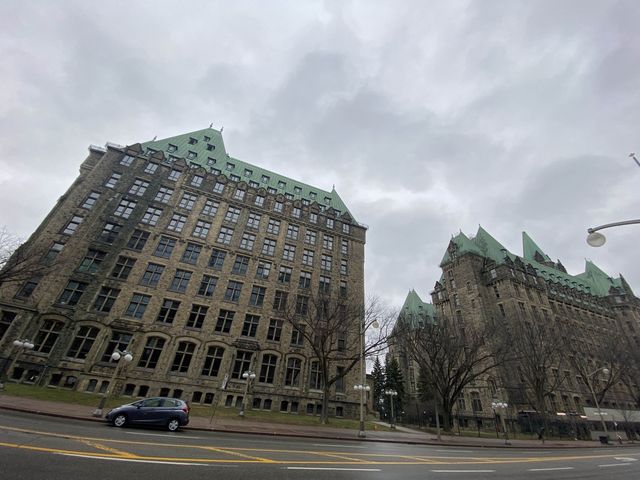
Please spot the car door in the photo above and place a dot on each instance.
(165, 411)
(135, 412)
(150, 410)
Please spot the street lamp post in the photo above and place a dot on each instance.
(497, 404)
(249, 376)
(604, 370)
(122, 358)
(363, 387)
(21, 347)
(392, 419)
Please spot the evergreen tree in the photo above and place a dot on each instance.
(379, 380)
(394, 381)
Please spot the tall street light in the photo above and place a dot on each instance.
(249, 376)
(21, 346)
(121, 358)
(604, 370)
(392, 419)
(363, 387)
(498, 405)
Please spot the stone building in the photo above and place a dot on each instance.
(186, 257)
(482, 280)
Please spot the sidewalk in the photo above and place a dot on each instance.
(221, 424)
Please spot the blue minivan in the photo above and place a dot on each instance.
(171, 413)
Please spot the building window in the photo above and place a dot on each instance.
(180, 281)
(275, 330)
(188, 201)
(174, 175)
(201, 229)
(239, 194)
(139, 187)
(197, 316)
(165, 247)
(313, 217)
(325, 262)
(289, 252)
(280, 300)
(82, 342)
(343, 288)
(225, 319)
(191, 253)
(196, 180)
(168, 311)
(212, 361)
(53, 252)
(105, 299)
(307, 258)
(273, 227)
(295, 213)
(73, 225)
(183, 357)
(329, 222)
(297, 335)
(232, 215)
(476, 404)
(305, 280)
(343, 267)
(225, 235)
(27, 289)
(269, 247)
(259, 200)
(152, 275)
(151, 353)
(278, 206)
(6, 319)
(250, 325)
(241, 265)
(327, 242)
(247, 241)
(253, 221)
(315, 376)
(210, 208)
(137, 306)
(151, 168)
(340, 380)
(123, 267)
(91, 200)
(177, 222)
(292, 232)
(151, 216)
(113, 180)
(257, 296)
(125, 208)
(346, 228)
(241, 364)
(216, 261)
(284, 276)
(344, 247)
(91, 261)
(263, 270)
(232, 294)
(164, 194)
(302, 304)
(47, 336)
(268, 369)
(138, 240)
(218, 187)
(72, 292)
(119, 341)
(292, 375)
(325, 284)
(207, 286)
(310, 237)
(110, 232)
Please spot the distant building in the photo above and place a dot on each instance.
(481, 280)
(185, 256)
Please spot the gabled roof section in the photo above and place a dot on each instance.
(206, 148)
(593, 280)
(414, 311)
(529, 249)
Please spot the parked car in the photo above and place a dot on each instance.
(169, 412)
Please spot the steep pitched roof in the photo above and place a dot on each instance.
(206, 148)
(415, 311)
(593, 280)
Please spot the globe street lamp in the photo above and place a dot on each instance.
(249, 376)
(497, 405)
(597, 239)
(392, 419)
(121, 358)
(21, 346)
(605, 371)
(362, 387)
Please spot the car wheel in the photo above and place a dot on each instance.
(173, 425)
(120, 420)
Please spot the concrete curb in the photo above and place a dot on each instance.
(432, 442)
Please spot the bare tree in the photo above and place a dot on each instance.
(17, 262)
(332, 327)
(450, 357)
(630, 375)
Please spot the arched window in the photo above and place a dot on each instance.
(182, 359)
(48, 336)
(151, 352)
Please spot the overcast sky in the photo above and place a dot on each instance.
(429, 117)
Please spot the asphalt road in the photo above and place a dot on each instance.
(35, 447)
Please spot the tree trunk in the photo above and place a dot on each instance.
(324, 414)
(447, 414)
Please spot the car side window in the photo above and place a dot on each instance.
(169, 403)
(152, 402)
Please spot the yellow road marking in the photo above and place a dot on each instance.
(238, 454)
(105, 448)
(343, 457)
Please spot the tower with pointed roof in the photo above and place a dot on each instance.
(186, 256)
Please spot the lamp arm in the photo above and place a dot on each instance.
(615, 224)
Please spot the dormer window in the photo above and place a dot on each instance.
(211, 161)
(297, 190)
(172, 148)
(327, 200)
(206, 138)
(281, 184)
(272, 190)
(247, 172)
(313, 195)
(191, 155)
(265, 179)
(192, 141)
(210, 147)
(230, 166)
(235, 178)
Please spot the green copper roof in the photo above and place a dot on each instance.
(414, 310)
(206, 148)
(593, 280)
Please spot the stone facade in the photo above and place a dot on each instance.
(184, 256)
(482, 280)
